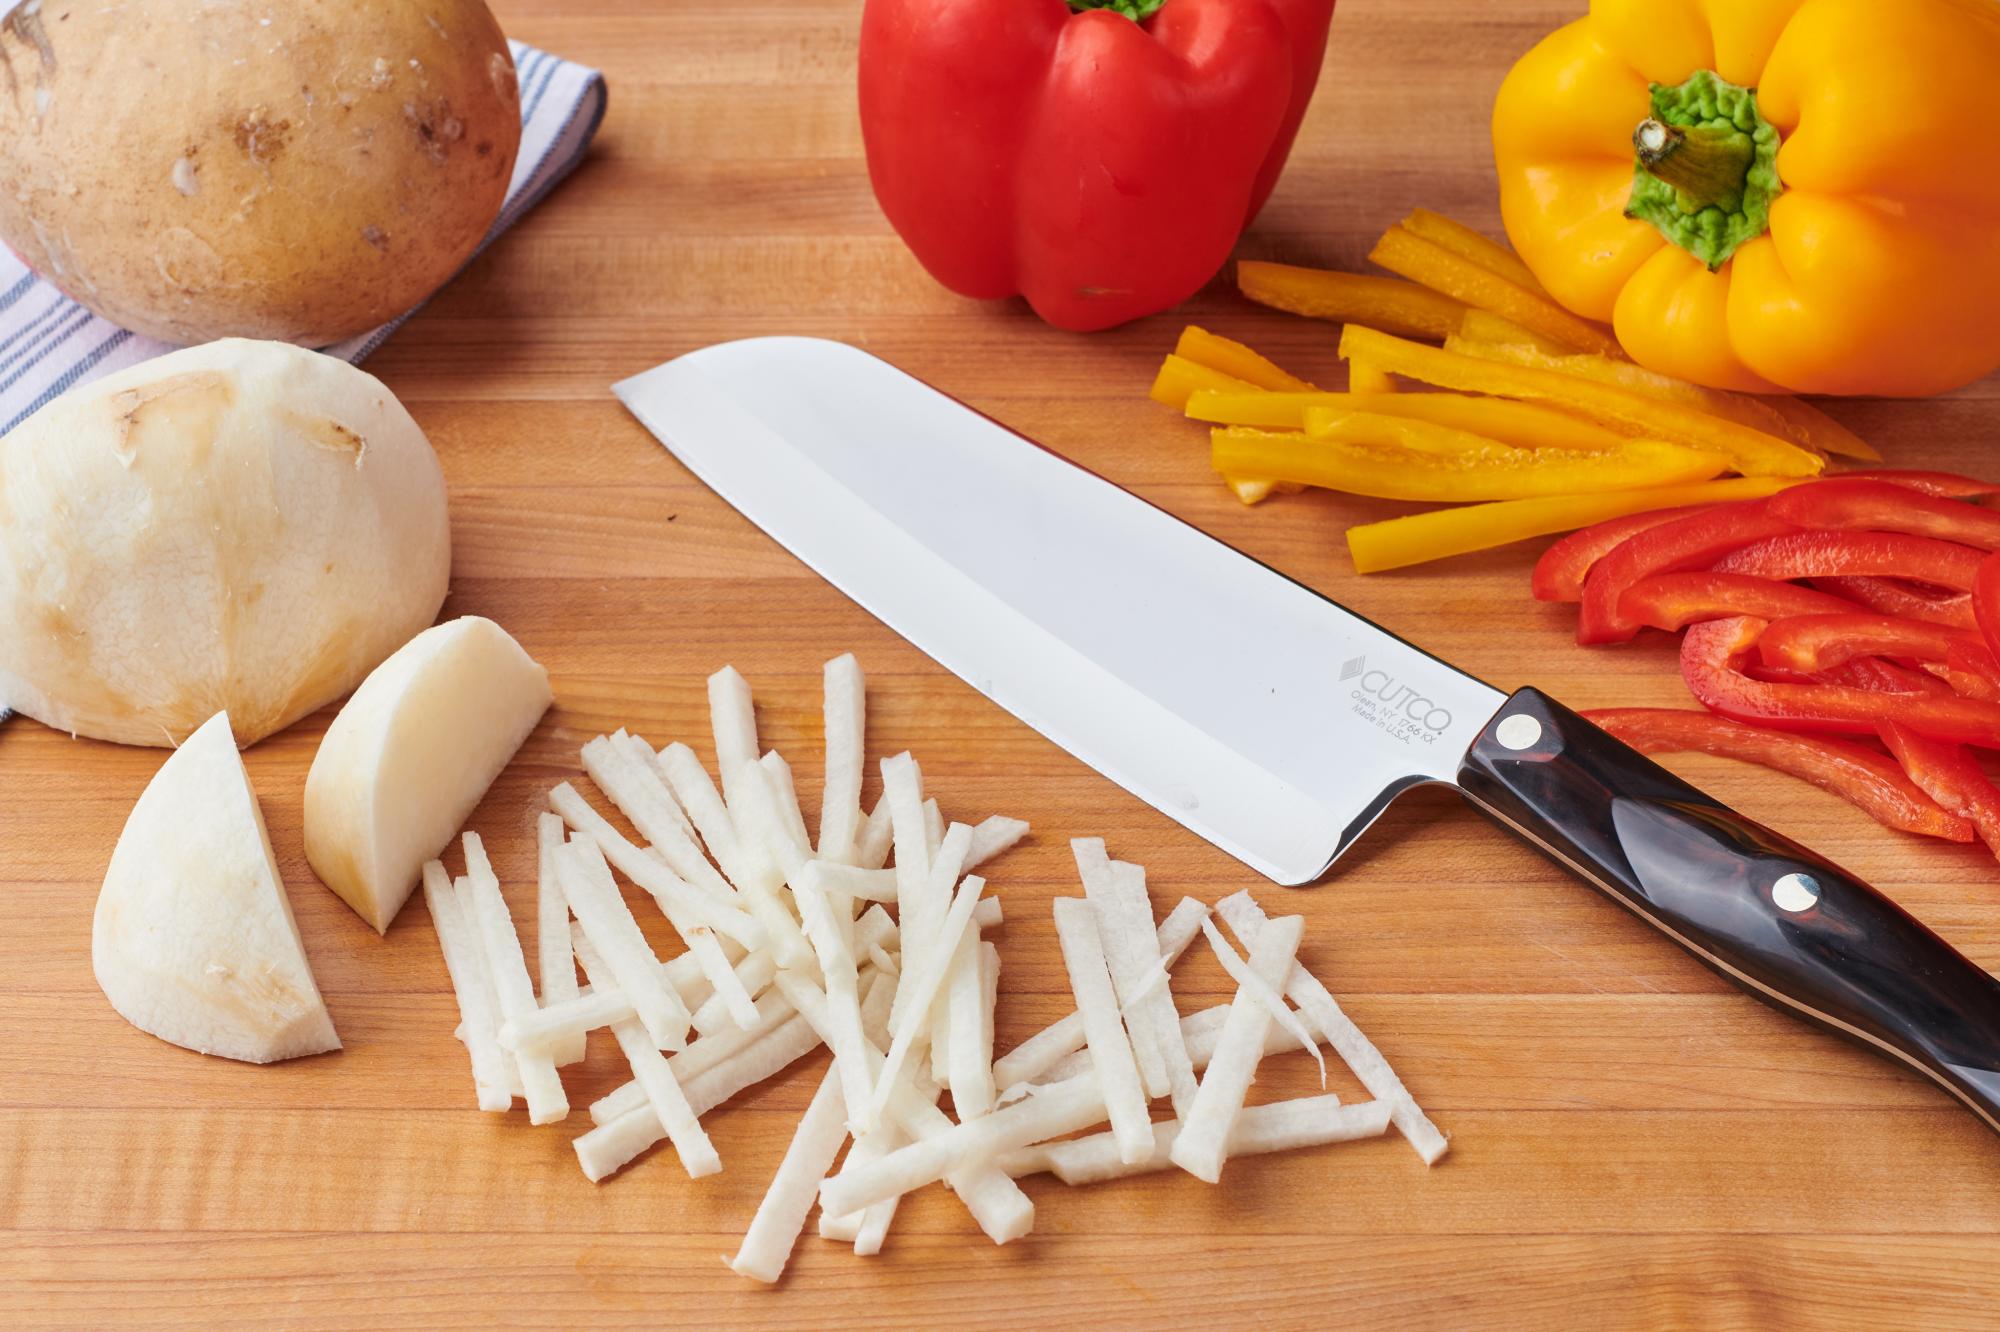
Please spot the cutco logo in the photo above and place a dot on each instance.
(1392, 705)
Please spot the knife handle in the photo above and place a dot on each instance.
(1787, 925)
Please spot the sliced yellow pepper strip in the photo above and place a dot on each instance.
(1256, 492)
(1365, 378)
(1379, 302)
(1491, 474)
(1421, 537)
(1471, 245)
(1419, 260)
(1396, 432)
(1815, 429)
(1484, 326)
(1754, 452)
(1180, 377)
(1236, 360)
(1525, 425)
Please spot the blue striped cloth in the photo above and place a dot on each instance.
(49, 343)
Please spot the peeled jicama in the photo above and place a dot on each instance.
(245, 527)
(194, 939)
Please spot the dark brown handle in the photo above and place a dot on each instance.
(1789, 926)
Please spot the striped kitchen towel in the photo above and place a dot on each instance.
(49, 343)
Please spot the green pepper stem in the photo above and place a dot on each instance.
(1709, 165)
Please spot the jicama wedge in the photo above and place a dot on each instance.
(555, 959)
(1111, 1054)
(1203, 1143)
(1237, 361)
(1408, 475)
(1243, 915)
(507, 969)
(1754, 452)
(1179, 377)
(845, 714)
(1351, 298)
(767, 1246)
(478, 1011)
(600, 909)
(1409, 255)
(1418, 538)
(655, 1075)
(1280, 1126)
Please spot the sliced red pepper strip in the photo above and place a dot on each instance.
(1673, 601)
(1986, 600)
(1859, 776)
(1889, 597)
(1850, 554)
(1950, 485)
(1882, 506)
(1814, 644)
(1973, 671)
(1711, 657)
(1948, 774)
(1691, 542)
(1559, 574)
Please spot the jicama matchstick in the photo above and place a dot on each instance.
(548, 1027)
(920, 983)
(845, 727)
(947, 863)
(1279, 1126)
(717, 1010)
(734, 721)
(1203, 1143)
(1104, 1035)
(1243, 915)
(600, 908)
(933, 824)
(1051, 1112)
(1201, 1030)
(465, 963)
(554, 958)
(654, 1074)
(877, 837)
(767, 1245)
(1029, 1060)
(695, 789)
(786, 791)
(1266, 993)
(843, 1034)
(781, 857)
(917, 912)
(507, 969)
(973, 990)
(1124, 914)
(991, 836)
(877, 885)
(660, 797)
(644, 800)
(672, 895)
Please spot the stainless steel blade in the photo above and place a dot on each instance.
(1261, 715)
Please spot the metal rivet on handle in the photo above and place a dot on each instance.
(1795, 892)
(1517, 732)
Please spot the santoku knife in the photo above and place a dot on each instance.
(1260, 714)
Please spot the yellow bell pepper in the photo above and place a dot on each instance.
(1524, 425)
(1486, 474)
(1411, 256)
(1351, 298)
(1754, 452)
(1363, 377)
(1236, 360)
(1347, 426)
(1767, 194)
(1483, 326)
(1437, 534)
(1179, 377)
(1466, 243)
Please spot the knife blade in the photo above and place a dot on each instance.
(1259, 714)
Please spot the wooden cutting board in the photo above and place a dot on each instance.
(1635, 1144)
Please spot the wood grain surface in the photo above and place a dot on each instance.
(1634, 1143)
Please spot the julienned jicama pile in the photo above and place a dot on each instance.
(791, 945)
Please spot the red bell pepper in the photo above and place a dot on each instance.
(1848, 554)
(1948, 774)
(1986, 600)
(1973, 671)
(1099, 164)
(1559, 574)
(1711, 657)
(1882, 506)
(1860, 776)
(1886, 596)
(1813, 644)
(1694, 541)
(1673, 601)
(1949, 485)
